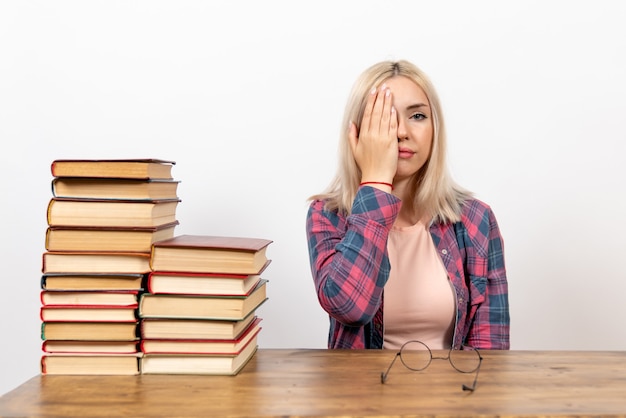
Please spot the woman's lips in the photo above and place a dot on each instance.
(405, 153)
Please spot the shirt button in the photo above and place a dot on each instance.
(444, 251)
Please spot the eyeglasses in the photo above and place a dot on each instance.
(416, 356)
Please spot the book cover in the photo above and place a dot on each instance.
(201, 346)
(107, 212)
(90, 364)
(140, 168)
(202, 307)
(198, 364)
(107, 188)
(95, 262)
(93, 238)
(206, 253)
(94, 281)
(191, 329)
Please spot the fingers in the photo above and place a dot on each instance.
(379, 118)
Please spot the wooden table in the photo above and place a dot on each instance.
(310, 382)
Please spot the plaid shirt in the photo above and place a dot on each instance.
(350, 266)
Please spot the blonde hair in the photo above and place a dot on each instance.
(432, 190)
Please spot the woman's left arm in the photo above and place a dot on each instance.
(491, 324)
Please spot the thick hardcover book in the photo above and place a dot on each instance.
(95, 281)
(208, 364)
(106, 188)
(82, 313)
(214, 254)
(197, 346)
(111, 213)
(174, 282)
(92, 347)
(202, 307)
(89, 298)
(89, 331)
(95, 262)
(90, 364)
(85, 238)
(135, 168)
(191, 329)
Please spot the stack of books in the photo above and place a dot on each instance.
(103, 217)
(199, 312)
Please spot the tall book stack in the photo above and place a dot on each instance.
(199, 312)
(103, 217)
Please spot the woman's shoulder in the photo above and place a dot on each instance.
(476, 212)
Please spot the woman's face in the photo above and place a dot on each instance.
(415, 125)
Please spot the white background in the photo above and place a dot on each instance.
(247, 98)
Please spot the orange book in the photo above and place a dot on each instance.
(90, 364)
(89, 331)
(175, 282)
(198, 364)
(88, 313)
(89, 298)
(193, 329)
(202, 307)
(107, 188)
(199, 346)
(87, 238)
(210, 254)
(92, 281)
(111, 213)
(95, 262)
(137, 168)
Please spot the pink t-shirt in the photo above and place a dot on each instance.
(419, 300)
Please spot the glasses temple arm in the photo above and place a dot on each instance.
(471, 388)
(383, 375)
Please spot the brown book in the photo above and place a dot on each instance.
(92, 347)
(201, 346)
(108, 212)
(163, 328)
(75, 313)
(90, 364)
(96, 281)
(201, 283)
(202, 307)
(89, 331)
(106, 188)
(139, 168)
(210, 254)
(202, 364)
(85, 238)
(95, 262)
(90, 298)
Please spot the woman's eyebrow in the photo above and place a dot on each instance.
(416, 106)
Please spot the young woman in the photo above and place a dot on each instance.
(398, 250)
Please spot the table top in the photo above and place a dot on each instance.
(318, 382)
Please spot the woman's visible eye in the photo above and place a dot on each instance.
(418, 116)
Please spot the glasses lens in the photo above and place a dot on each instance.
(466, 360)
(415, 355)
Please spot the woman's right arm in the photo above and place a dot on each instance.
(348, 255)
